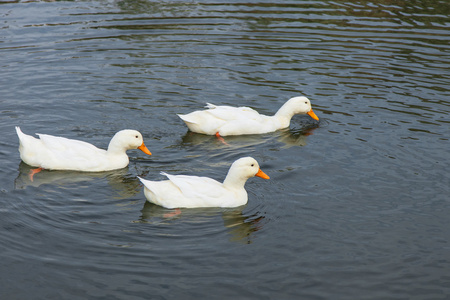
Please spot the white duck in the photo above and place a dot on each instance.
(227, 120)
(193, 191)
(58, 153)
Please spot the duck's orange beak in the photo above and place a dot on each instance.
(144, 149)
(313, 115)
(262, 174)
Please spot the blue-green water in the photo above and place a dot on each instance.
(357, 206)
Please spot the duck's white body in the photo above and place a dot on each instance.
(193, 191)
(58, 153)
(228, 120)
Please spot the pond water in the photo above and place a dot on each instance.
(358, 203)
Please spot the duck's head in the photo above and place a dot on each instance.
(129, 139)
(248, 167)
(301, 105)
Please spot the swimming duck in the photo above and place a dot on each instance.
(193, 191)
(227, 120)
(59, 153)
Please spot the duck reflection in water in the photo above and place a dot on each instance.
(121, 181)
(287, 136)
(241, 227)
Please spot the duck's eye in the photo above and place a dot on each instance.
(306, 102)
(253, 165)
(137, 136)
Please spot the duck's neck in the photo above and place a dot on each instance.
(284, 115)
(117, 156)
(234, 181)
(115, 148)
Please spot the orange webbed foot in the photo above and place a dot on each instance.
(220, 138)
(32, 172)
(174, 213)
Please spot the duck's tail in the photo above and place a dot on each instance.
(20, 134)
(25, 140)
(186, 118)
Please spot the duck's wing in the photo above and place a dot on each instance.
(230, 113)
(212, 120)
(72, 154)
(64, 144)
(195, 187)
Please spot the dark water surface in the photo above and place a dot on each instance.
(357, 206)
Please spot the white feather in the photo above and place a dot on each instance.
(195, 191)
(228, 120)
(59, 153)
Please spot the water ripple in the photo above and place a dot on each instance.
(358, 200)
